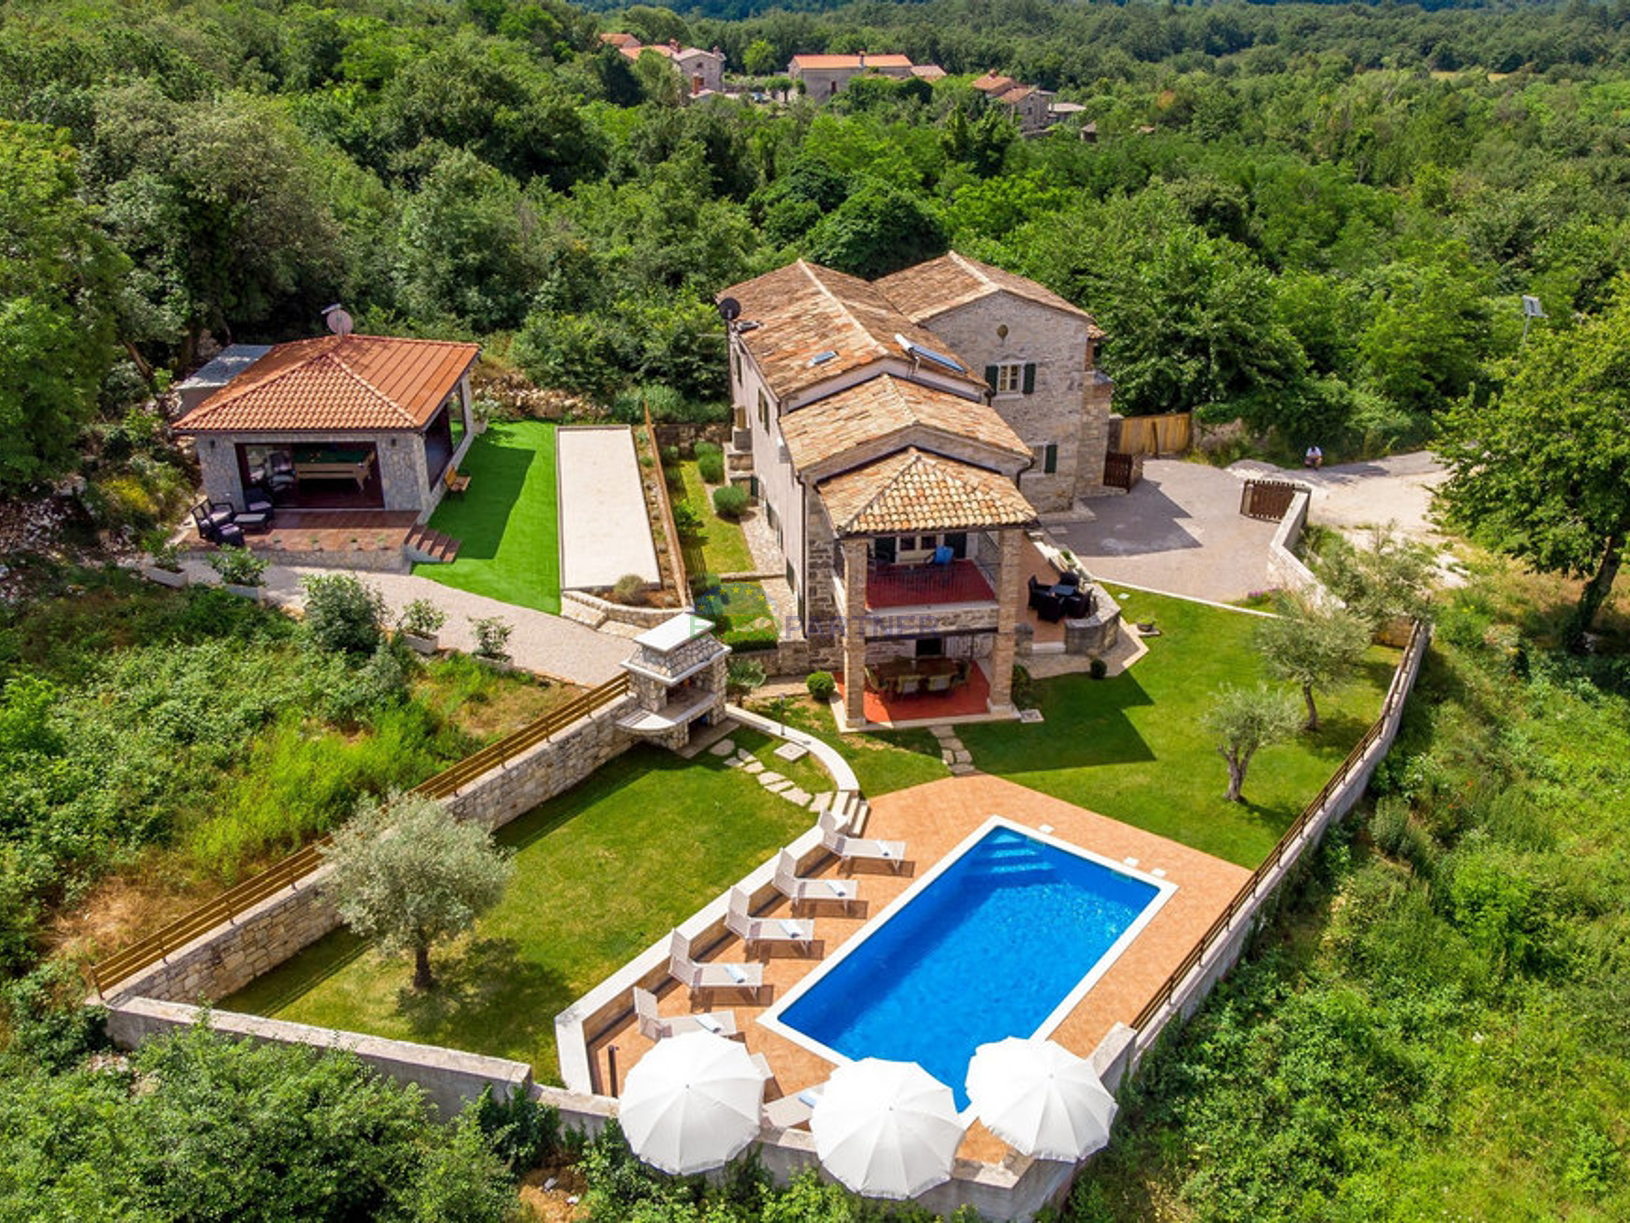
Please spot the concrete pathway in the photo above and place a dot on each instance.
(1357, 496)
(548, 644)
(604, 531)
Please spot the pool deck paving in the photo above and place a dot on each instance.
(933, 819)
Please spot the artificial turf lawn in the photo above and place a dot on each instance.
(722, 547)
(507, 521)
(601, 872)
(1132, 747)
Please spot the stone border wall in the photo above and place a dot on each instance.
(1285, 568)
(594, 611)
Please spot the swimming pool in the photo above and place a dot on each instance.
(1003, 938)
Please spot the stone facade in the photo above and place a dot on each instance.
(1068, 406)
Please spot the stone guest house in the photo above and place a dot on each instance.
(902, 436)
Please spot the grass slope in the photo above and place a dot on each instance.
(1132, 747)
(722, 547)
(601, 872)
(507, 522)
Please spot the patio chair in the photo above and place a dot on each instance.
(455, 482)
(907, 685)
(214, 520)
(1069, 579)
(710, 976)
(658, 1027)
(811, 891)
(1050, 608)
(873, 680)
(1077, 605)
(279, 472)
(1037, 591)
(938, 683)
(858, 849)
(739, 920)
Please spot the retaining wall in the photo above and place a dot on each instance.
(1285, 568)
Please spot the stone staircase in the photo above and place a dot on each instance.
(425, 546)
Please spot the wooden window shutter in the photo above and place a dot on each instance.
(1029, 377)
(1050, 460)
(991, 374)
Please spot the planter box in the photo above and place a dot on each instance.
(501, 665)
(164, 577)
(255, 594)
(422, 645)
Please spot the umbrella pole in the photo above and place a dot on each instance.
(611, 1066)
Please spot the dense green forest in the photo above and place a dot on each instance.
(1320, 219)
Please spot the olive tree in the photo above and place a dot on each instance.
(1245, 720)
(1314, 644)
(408, 874)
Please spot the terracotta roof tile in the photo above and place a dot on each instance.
(927, 290)
(928, 72)
(336, 383)
(804, 311)
(851, 61)
(882, 407)
(993, 82)
(915, 491)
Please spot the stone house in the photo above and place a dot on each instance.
(893, 433)
(702, 71)
(1030, 106)
(825, 76)
(339, 422)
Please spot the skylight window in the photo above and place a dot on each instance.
(821, 358)
(918, 351)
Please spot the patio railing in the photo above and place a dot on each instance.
(288, 873)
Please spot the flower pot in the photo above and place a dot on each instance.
(422, 644)
(501, 665)
(255, 594)
(164, 577)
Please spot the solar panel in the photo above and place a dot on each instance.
(928, 354)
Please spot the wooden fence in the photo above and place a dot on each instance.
(1267, 499)
(1169, 433)
(1288, 843)
(287, 874)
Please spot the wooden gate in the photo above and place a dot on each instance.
(1120, 471)
(1267, 499)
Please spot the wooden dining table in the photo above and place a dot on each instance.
(891, 672)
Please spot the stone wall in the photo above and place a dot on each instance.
(592, 610)
(402, 472)
(1285, 568)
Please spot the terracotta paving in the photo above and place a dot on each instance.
(336, 531)
(1039, 567)
(933, 819)
(926, 585)
(963, 701)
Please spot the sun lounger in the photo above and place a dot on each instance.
(792, 1110)
(657, 1027)
(738, 919)
(855, 849)
(712, 975)
(811, 891)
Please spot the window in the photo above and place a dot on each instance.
(1049, 459)
(1012, 378)
(763, 411)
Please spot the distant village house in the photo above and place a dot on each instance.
(703, 71)
(826, 76)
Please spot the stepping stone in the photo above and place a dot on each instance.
(794, 795)
(792, 751)
(821, 802)
(776, 787)
(951, 744)
(722, 748)
(1031, 716)
(942, 732)
(962, 758)
(768, 778)
(962, 770)
(753, 766)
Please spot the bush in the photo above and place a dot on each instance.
(686, 520)
(421, 618)
(522, 1131)
(629, 590)
(711, 468)
(730, 501)
(239, 567)
(705, 447)
(1024, 688)
(670, 455)
(491, 636)
(744, 675)
(822, 685)
(701, 583)
(343, 616)
(1098, 668)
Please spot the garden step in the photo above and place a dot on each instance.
(431, 546)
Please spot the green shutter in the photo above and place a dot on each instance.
(1029, 377)
(991, 372)
(1049, 463)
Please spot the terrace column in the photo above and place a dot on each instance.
(1008, 586)
(854, 630)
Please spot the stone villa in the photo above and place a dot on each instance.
(902, 436)
(824, 76)
(703, 71)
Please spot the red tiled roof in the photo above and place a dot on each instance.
(617, 39)
(332, 383)
(927, 290)
(916, 491)
(993, 82)
(886, 406)
(852, 61)
(804, 311)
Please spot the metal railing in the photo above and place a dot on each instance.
(1418, 638)
(287, 873)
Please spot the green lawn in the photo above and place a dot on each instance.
(601, 872)
(806, 773)
(507, 520)
(1132, 747)
(883, 761)
(722, 548)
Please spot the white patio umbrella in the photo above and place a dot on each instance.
(1040, 1099)
(886, 1129)
(691, 1103)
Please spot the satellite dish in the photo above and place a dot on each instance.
(729, 309)
(339, 322)
(1531, 307)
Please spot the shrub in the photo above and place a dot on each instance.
(744, 675)
(710, 467)
(421, 618)
(701, 583)
(630, 589)
(239, 566)
(686, 520)
(822, 685)
(1024, 688)
(491, 636)
(1098, 668)
(522, 1131)
(670, 455)
(343, 616)
(730, 501)
(705, 447)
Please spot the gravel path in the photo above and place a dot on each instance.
(548, 644)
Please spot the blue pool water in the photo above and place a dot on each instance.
(986, 950)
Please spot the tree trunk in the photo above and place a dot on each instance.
(1596, 591)
(1236, 774)
(422, 979)
(140, 362)
(1312, 709)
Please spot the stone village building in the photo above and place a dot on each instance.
(902, 436)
